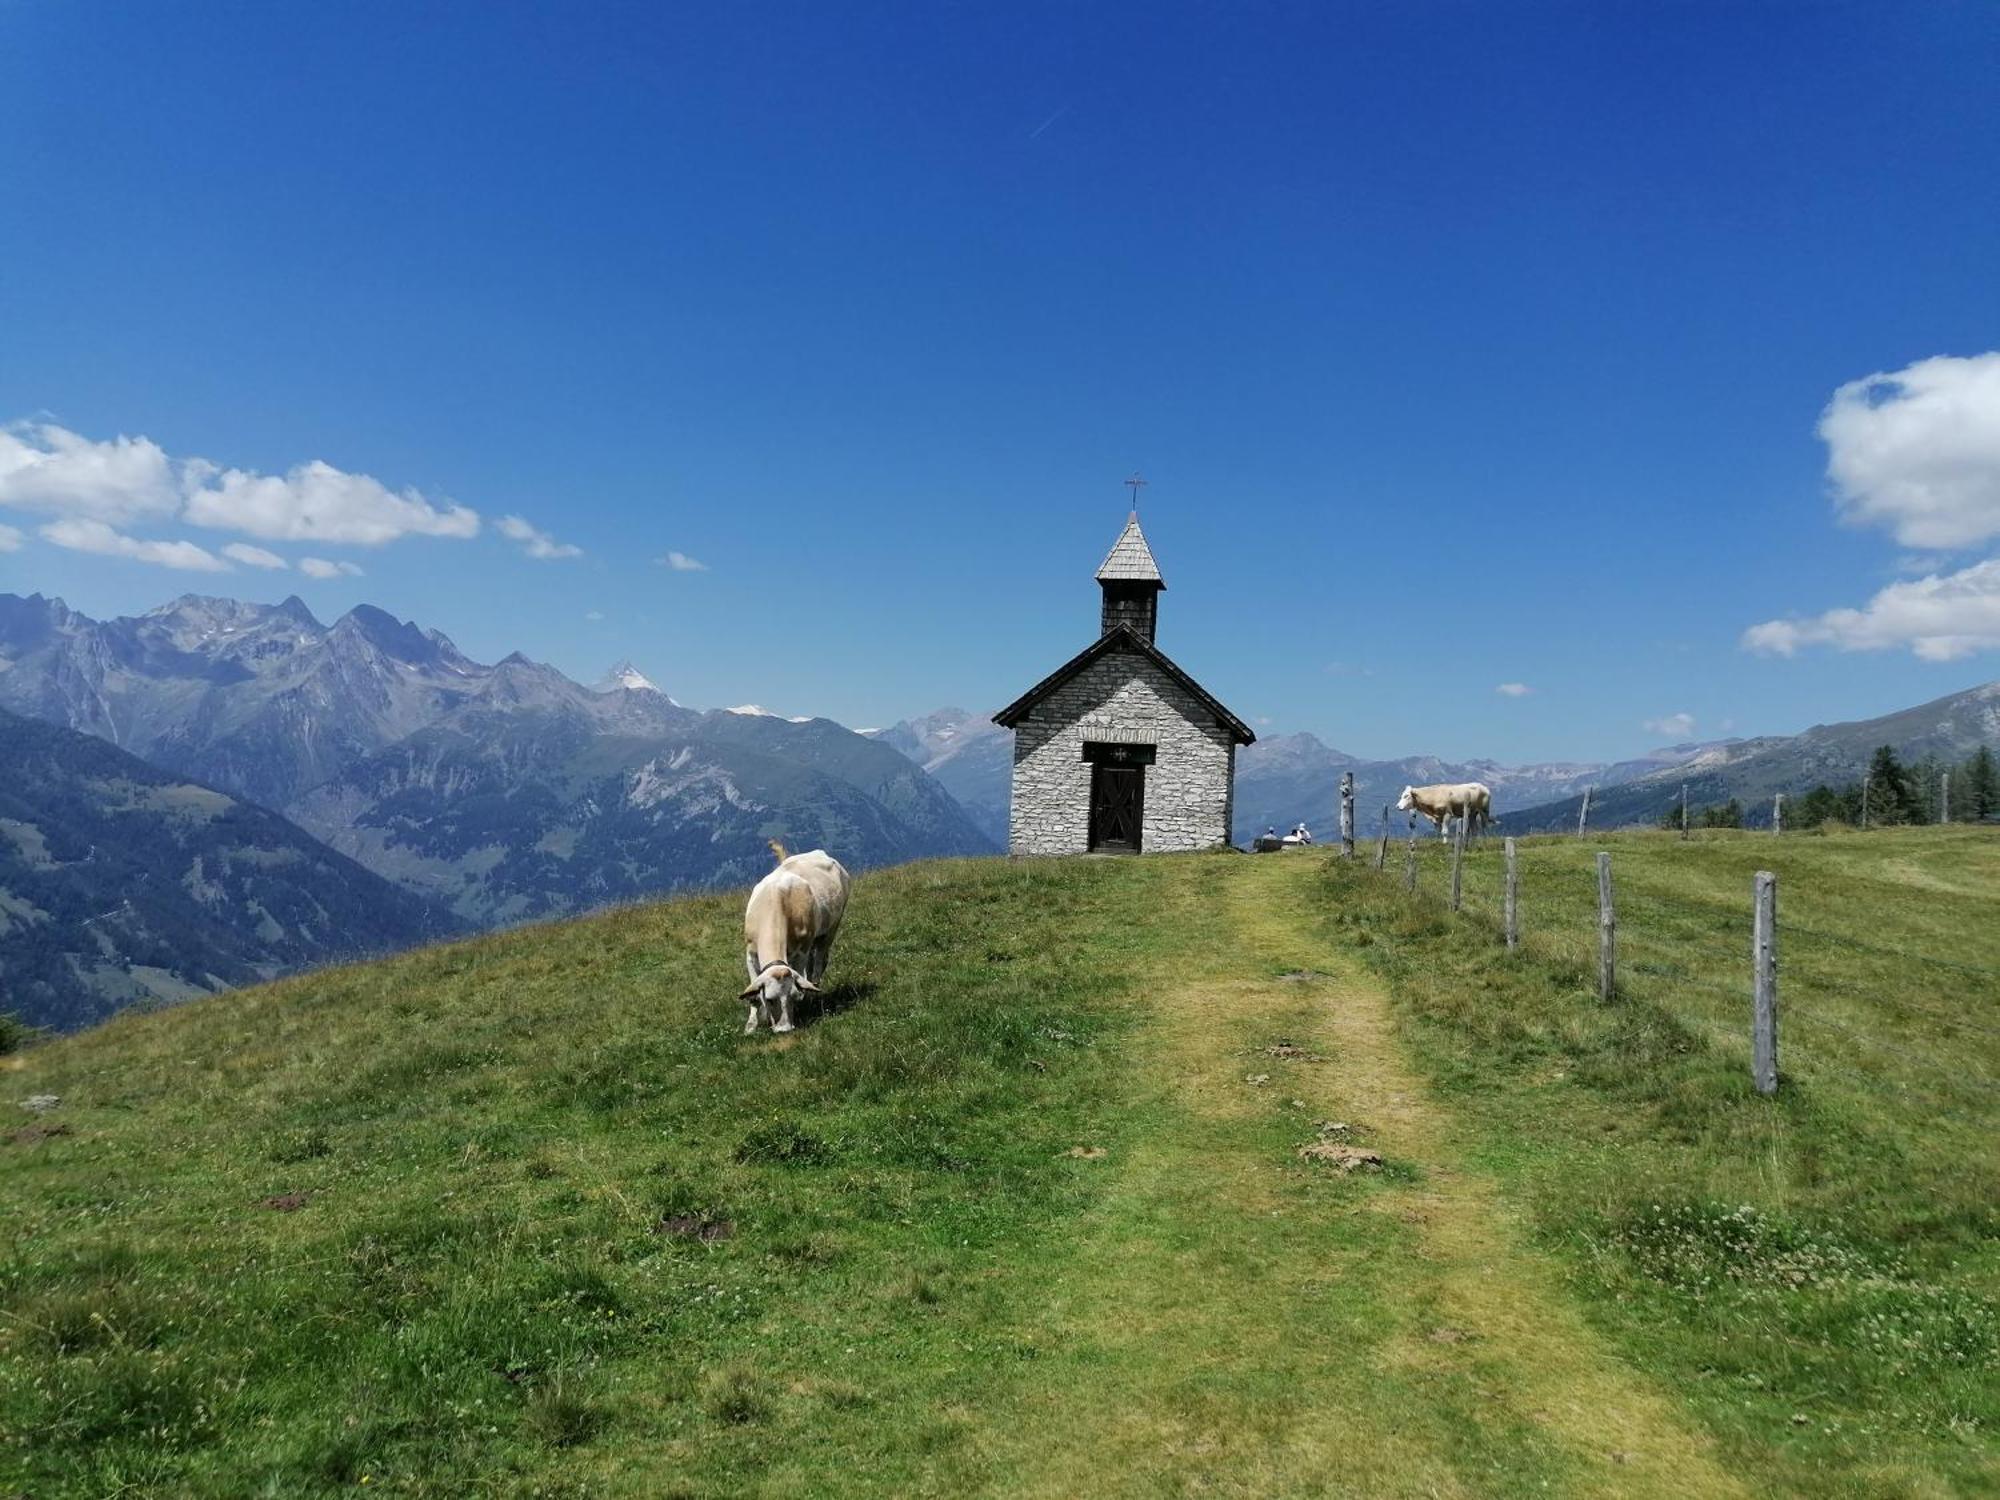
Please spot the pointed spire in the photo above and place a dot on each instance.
(1130, 560)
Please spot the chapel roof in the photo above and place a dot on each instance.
(1130, 560)
(1123, 637)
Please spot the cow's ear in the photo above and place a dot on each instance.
(807, 987)
(750, 991)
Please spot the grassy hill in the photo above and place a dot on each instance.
(1024, 1210)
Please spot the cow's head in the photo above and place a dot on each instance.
(1408, 800)
(771, 994)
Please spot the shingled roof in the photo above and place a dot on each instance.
(1130, 560)
(1123, 638)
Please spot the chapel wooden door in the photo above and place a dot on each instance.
(1117, 807)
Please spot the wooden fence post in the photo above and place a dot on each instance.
(1510, 904)
(1607, 931)
(1347, 815)
(1777, 812)
(1382, 848)
(1458, 858)
(1684, 809)
(1583, 813)
(1864, 799)
(1944, 797)
(1764, 1010)
(1410, 860)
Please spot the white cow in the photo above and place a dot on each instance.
(788, 932)
(1442, 803)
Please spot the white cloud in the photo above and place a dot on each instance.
(538, 544)
(1513, 690)
(53, 471)
(680, 562)
(83, 535)
(315, 502)
(1918, 451)
(593, 614)
(253, 557)
(1673, 726)
(319, 567)
(10, 539)
(1938, 617)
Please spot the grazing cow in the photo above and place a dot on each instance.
(1464, 799)
(788, 931)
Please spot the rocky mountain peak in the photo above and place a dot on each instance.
(400, 640)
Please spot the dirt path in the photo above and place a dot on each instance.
(1245, 1324)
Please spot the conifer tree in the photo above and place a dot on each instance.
(1891, 799)
(1983, 784)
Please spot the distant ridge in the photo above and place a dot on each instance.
(122, 884)
(1752, 771)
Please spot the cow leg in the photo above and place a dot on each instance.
(816, 961)
(750, 1026)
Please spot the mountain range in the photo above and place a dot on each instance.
(124, 884)
(502, 792)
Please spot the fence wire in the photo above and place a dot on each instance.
(1682, 938)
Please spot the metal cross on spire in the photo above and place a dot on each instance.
(1135, 483)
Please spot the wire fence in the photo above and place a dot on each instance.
(1896, 1019)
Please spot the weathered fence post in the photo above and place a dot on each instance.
(1410, 860)
(1583, 813)
(1778, 812)
(1864, 799)
(1510, 908)
(1347, 815)
(1382, 848)
(1944, 797)
(1607, 931)
(1684, 809)
(1764, 1009)
(1458, 858)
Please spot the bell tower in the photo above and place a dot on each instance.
(1131, 582)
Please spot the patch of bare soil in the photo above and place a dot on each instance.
(1292, 1052)
(286, 1203)
(34, 1135)
(696, 1227)
(1343, 1158)
(1087, 1153)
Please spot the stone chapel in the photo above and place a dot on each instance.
(1118, 750)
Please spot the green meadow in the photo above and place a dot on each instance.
(1191, 1175)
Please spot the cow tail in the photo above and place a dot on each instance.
(778, 851)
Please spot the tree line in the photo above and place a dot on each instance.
(1891, 794)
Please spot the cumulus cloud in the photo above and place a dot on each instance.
(50, 470)
(593, 614)
(83, 535)
(1513, 690)
(253, 557)
(315, 502)
(319, 567)
(538, 544)
(680, 562)
(10, 539)
(53, 471)
(1673, 726)
(1938, 617)
(1918, 451)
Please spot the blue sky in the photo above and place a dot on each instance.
(1460, 345)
